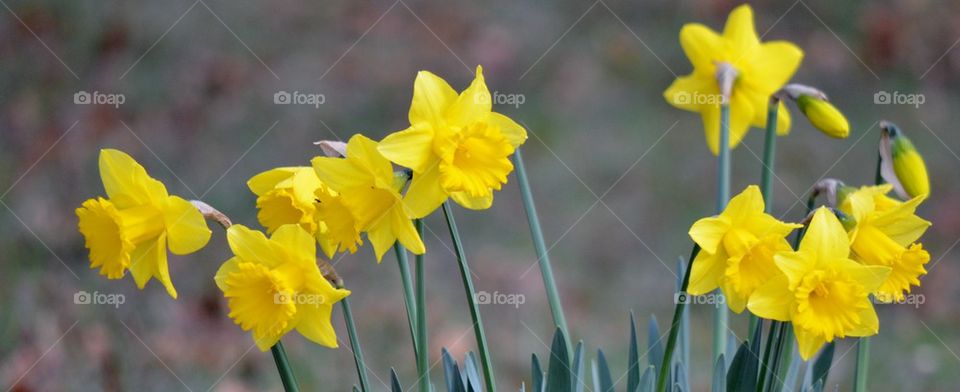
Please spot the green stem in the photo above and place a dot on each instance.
(543, 258)
(723, 196)
(863, 365)
(423, 365)
(408, 297)
(467, 277)
(675, 324)
(766, 175)
(785, 358)
(355, 345)
(283, 366)
(772, 332)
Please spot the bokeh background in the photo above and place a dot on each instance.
(617, 173)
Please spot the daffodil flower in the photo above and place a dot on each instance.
(885, 234)
(737, 249)
(274, 286)
(761, 70)
(821, 290)
(368, 188)
(133, 228)
(295, 195)
(456, 146)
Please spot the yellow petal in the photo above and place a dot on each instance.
(701, 45)
(362, 151)
(472, 202)
(472, 105)
(794, 265)
(339, 173)
(783, 120)
(126, 182)
(315, 325)
(808, 342)
(149, 260)
(869, 323)
(772, 66)
(739, 30)
(707, 270)
(412, 148)
(382, 237)
(406, 232)
(251, 246)
(689, 92)
(297, 242)
(513, 132)
(735, 301)
(826, 237)
(431, 98)
(869, 276)
(186, 228)
(744, 206)
(741, 115)
(708, 232)
(901, 224)
(266, 181)
(425, 193)
(772, 300)
(225, 270)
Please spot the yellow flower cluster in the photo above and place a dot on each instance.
(824, 286)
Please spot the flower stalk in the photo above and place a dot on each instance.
(355, 344)
(543, 258)
(423, 356)
(723, 196)
(467, 277)
(675, 324)
(283, 366)
(408, 295)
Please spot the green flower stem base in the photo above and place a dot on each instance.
(283, 365)
(766, 175)
(423, 357)
(543, 258)
(408, 296)
(675, 324)
(465, 274)
(863, 364)
(355, 345)
(723, 196)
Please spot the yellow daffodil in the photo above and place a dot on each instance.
(901, 164)
(761, 70)
(295, 195)
(368, 188)
(133, 228)
(885, 233)
(456, 146)
(737, 249)
(824, 293)
(274, 286)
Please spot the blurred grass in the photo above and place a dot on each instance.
(199, 79)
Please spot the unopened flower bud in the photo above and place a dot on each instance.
(824, 116)
(901, 164)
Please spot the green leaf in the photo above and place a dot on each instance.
(558, 369)
(648, 380)
(719, 375)
(790, 382)
(653, 344)
(537, 373)
(355, 389)
(579, 379)
(451, 372)
(742, 376)
(821, 368)
(471, 374)
(602, 380)
(394, 381)
(633, 358)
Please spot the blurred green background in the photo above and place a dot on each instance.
(618, 174)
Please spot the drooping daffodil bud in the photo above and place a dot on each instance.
(901, 164)
(814, 104)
